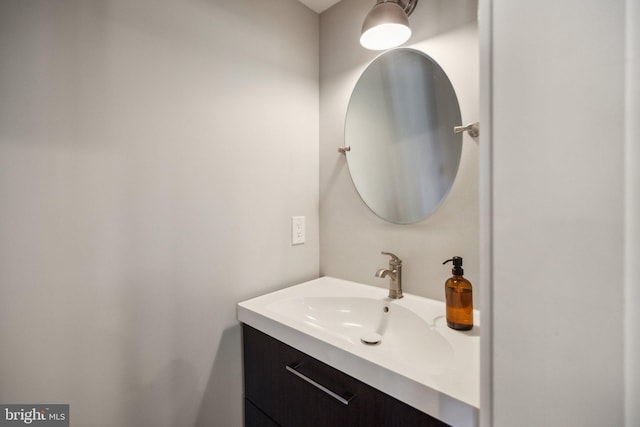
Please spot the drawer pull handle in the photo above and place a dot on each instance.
(294, 371)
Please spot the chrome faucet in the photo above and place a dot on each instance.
(395, 275)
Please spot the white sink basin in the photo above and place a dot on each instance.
(392, 330)
(401, 347)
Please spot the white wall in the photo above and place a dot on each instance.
(352, 236)
(632, 224)
(152, 154)
(558, 212)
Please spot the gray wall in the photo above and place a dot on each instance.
(351, 236)
(152, 154)
(558, 140)
(632, 220)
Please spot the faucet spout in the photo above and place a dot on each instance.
(383, 272)
(394, 272)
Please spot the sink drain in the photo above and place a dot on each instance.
(371, 338)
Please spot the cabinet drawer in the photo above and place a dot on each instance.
(296, 390)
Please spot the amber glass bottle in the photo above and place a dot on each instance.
(459, 298)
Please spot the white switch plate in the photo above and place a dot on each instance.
(297, 230)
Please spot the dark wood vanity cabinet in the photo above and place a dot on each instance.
(287, 388)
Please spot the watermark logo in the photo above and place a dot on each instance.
(34, 415)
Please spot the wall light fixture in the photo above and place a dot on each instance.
(387, 24)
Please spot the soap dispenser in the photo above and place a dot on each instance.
(459, 298)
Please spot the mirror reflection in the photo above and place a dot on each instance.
(403, 154)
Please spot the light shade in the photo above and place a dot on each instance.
(386, 26)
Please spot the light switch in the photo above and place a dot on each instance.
(297, 230)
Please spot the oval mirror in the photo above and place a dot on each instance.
(403, 154)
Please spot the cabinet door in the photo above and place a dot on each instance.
(254, 417)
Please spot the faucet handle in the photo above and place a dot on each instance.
(394, 259)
